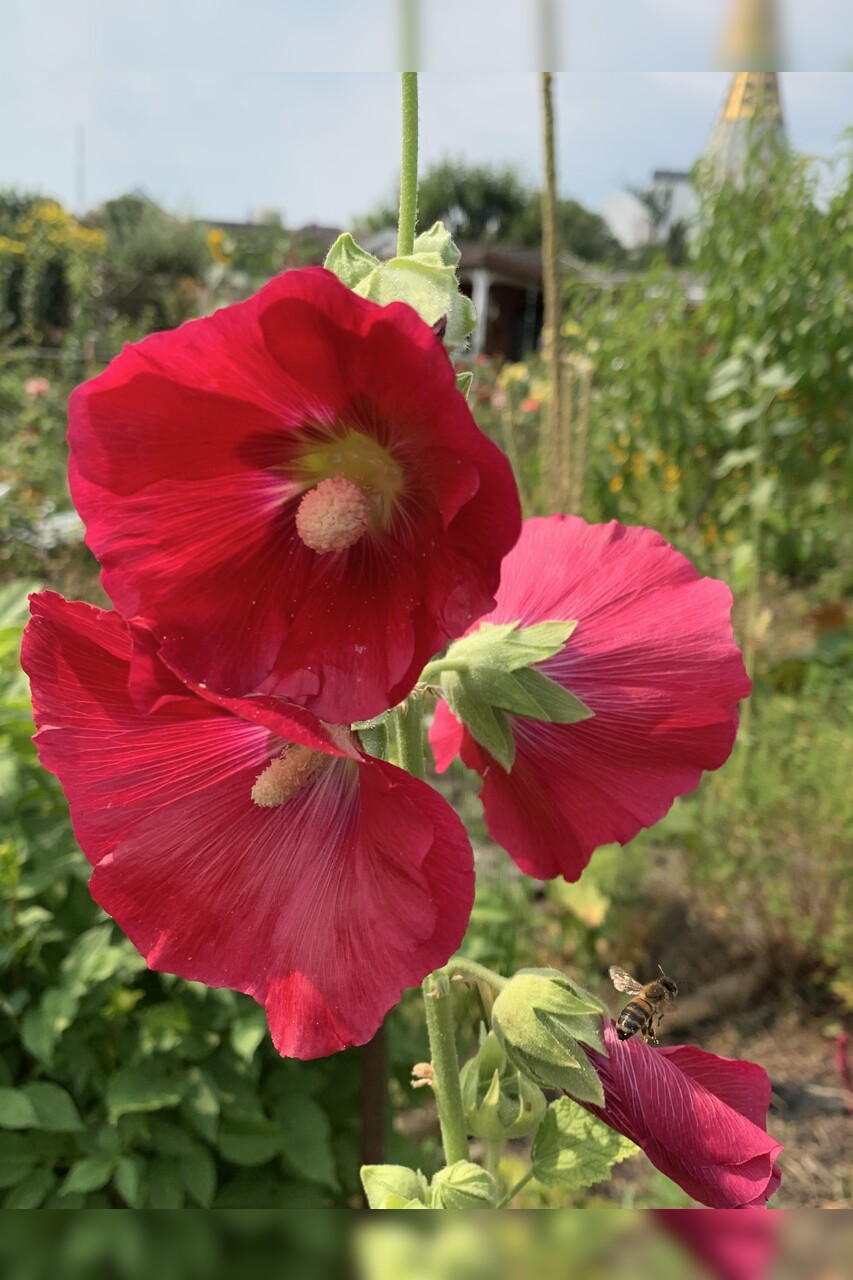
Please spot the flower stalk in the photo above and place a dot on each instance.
(408, 166)
(445, 1064)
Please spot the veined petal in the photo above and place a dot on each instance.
(322, 908)
(190, 455)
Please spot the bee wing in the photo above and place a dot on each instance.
(623, 981)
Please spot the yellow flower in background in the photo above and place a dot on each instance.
(511, 373)
(636, 419)
(710, 535)
(11, 248)
(624, 439)
(658, 457)
(638, 465)
(540, 389)
(570, 329)
(615, 484)
(671, 477)
(219, 246)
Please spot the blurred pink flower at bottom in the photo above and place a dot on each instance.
(734, 1246)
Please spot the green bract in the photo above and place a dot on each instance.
(489, 675)
(426, 280)
(541, 1020)
(499, 1101)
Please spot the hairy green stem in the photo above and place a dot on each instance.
(409, 166)
(466, 968)
(374, 739)
(549, 460)
(445, 1065)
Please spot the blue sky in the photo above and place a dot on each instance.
(219, 108)
(324, 147)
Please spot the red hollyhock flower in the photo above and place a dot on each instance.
(700, 1119)
(652, 656)
(244, 844)
(733, 1245)
(294, 496)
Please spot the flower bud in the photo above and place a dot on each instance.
(463, 1186)
(541, 1020)
(499, 1101)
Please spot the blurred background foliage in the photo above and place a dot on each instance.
(710, 401)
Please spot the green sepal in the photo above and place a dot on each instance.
(489, 675)
(463, 1186)
(349, 262)
(384, 1181)
(541, 1020)
(489, 725)
(573, 1149)
(438, 240)
(427, 285)
(463, 383)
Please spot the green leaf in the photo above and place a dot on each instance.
(507, 646)
(573, 1149)
(16, 1110)
(17, 1157)
(556, 704)
(89, 1174)
(32, 1191)
(45, 1022)
(251, 1140)
(198, 1170)
(247, 1032)
(165, 1184)
(54, 1108)
(128, 1179)
(142, 1087)
(395, 1181)
(306, 1136)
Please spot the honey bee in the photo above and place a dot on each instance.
(643, 1013)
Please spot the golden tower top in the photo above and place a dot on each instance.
(752, 36)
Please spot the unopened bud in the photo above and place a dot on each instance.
(463, 1186)
(541, 1020)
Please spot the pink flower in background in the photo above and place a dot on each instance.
(731, 1244)
(294, 496)
(243, 843)
(700, 1119)
(35, 387)
(653, 658)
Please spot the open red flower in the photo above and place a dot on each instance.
(652, 657)
(293, 495)
(241, 842)
(700, 1119)
(732, 1245)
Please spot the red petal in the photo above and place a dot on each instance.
(323, 909)
(653, 658)
(733, 1245)
(685, 1121)
(178, 459)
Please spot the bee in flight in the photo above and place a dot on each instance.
(643, 1013)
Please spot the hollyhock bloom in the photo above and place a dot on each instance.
(733, 1245)
(652, 657)
(243, 843)
(294, 496)
(700, 1119)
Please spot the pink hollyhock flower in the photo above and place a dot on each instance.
(652, 657)
(733, 1245)
(700, 1119)
(35, 387)
(294, 496)
(243, 843)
